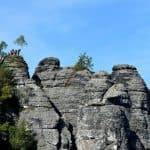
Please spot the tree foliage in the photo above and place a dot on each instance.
(4, 127)
(6, 90)
(12, 136)
(20, 138)
(84, 62)
(20, 41)
(3, 45)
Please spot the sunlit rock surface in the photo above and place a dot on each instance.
(71, 110)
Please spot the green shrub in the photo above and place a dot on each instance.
(6, 92)
(6, 89)
(5, 74)
(4, 127)
(84, 62)
(20, 138)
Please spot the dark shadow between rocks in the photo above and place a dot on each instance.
(37, 80)
(73, 139)
(134, 142)
(118, 101)
(9, 109)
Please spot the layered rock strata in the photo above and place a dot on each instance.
(83, 110)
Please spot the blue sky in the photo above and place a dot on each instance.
(110, 31)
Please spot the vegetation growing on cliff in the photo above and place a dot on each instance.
(16, 137)
(84, 62)
(3, 45)
(6, 90)
(20, 41)
(13, 135)
(20, 137)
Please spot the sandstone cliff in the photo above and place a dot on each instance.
(81, 110)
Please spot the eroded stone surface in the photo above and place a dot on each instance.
(81, 110)
(19, 69)
(105, 126)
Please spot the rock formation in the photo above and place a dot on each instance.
(71, 110)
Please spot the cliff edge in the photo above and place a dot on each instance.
(81, 110)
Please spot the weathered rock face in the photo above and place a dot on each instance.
(83, 110)
(139, 96)
(19, 69)
(64, 87)
(102, 127)
(52, 132)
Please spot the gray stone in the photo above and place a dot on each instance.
(70, 110)
(102, 127)
(19, 69)
(117, 95)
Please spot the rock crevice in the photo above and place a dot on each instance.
(82, 110)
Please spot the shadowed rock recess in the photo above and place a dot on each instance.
(81, 110)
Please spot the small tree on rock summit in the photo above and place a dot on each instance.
(20, 41)
(84, 62)
(3, 45)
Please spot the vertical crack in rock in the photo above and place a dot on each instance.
(59, 127)
(134, 142)
(73, 139)
(70, 144)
